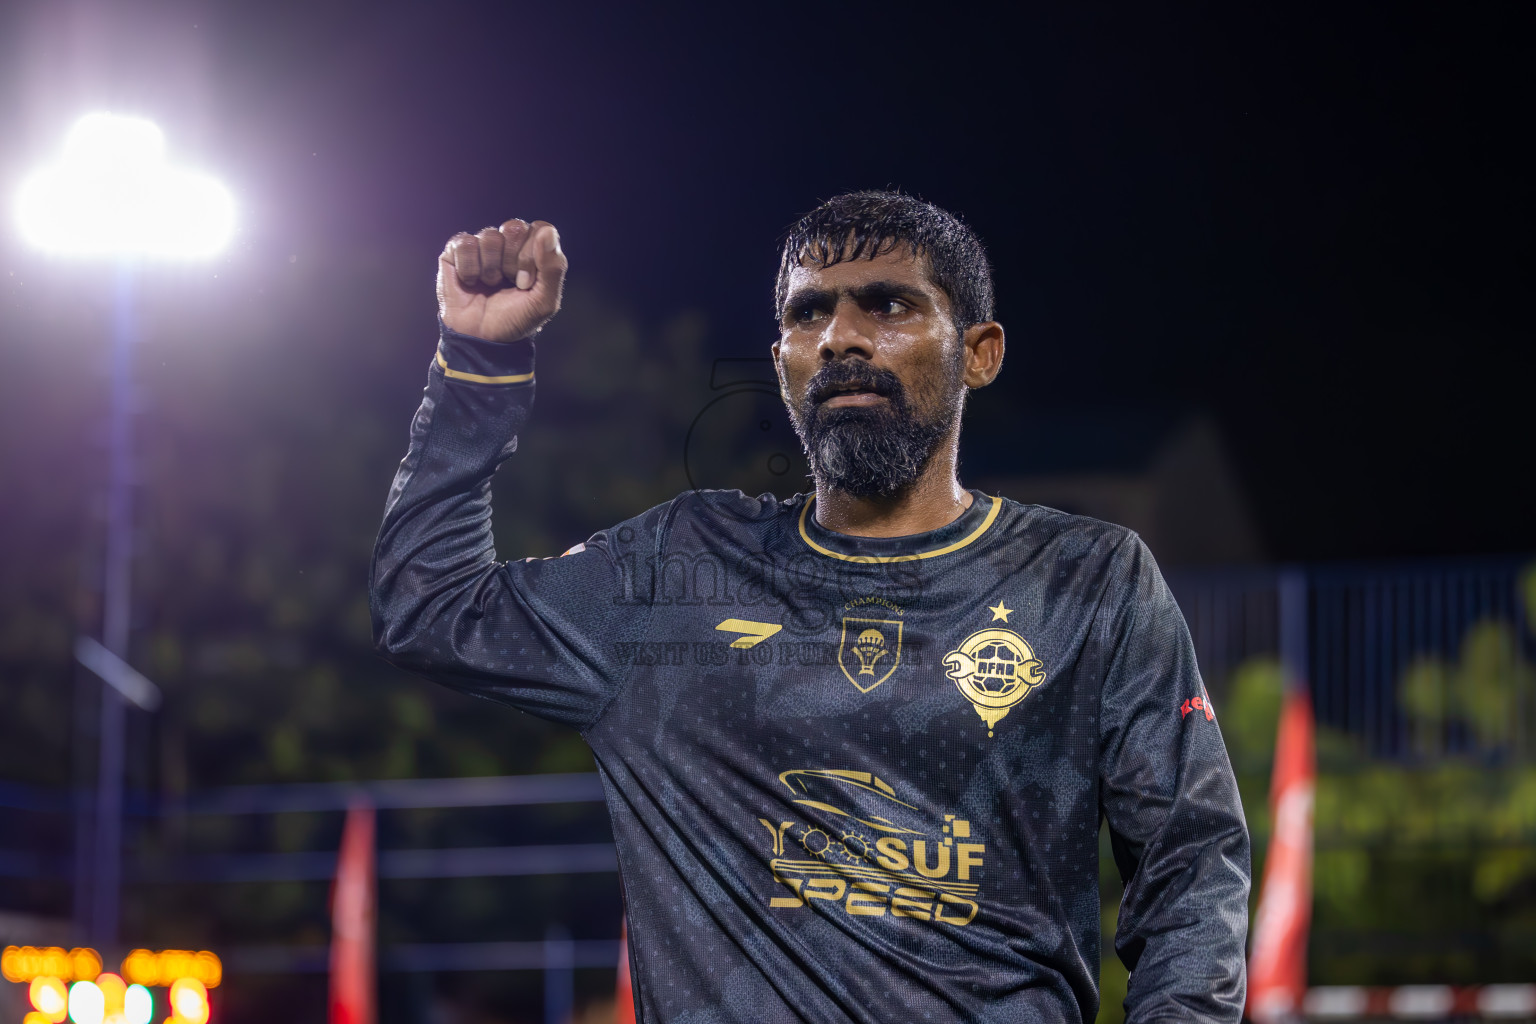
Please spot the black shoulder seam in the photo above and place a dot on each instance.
(662, 536)
(1099, 629)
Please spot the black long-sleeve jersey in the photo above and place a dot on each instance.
(850, 779)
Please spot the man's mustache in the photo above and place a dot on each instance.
(848, 375)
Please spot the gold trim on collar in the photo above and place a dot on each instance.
(986, 523)
(480, 378)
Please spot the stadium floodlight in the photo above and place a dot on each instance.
(114, 194)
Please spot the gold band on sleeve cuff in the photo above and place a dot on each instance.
(480, 378)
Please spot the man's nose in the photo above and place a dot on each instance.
(848, 333)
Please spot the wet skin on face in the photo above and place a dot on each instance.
(885, 311)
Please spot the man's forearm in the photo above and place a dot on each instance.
(436, 534)
(1186, 943)
(1175, 819)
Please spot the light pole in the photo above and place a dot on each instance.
(112, 196)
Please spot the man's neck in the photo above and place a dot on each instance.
(935, 499)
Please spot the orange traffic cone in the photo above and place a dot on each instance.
(624, 995)
(1277, 968)
(353, 913)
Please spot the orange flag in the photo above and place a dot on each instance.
(1277, 969)
(624, 996)
(353, 911)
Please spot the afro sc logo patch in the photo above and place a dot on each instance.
(994, 669)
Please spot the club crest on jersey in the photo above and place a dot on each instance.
(994, 669)
(870, 651)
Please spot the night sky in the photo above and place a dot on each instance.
(1314, 224)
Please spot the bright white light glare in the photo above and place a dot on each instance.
(49, 997)
(138, 1005)
(113, 194)
(107, 138)
(189, 1001)
(86, 1003)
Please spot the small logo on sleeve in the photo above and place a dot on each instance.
(1202, 703)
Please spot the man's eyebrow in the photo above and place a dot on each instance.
(805, 297)
(887, 290)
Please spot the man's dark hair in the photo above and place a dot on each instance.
(864, 225)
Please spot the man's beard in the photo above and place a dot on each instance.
(867, 452)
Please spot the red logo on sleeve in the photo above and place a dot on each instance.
(1198, 704)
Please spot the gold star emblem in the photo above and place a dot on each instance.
(1000, 611)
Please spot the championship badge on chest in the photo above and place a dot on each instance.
(870, 651)
(870, 648)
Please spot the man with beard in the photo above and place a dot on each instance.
(857, 744)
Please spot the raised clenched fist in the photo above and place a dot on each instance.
(503, 283)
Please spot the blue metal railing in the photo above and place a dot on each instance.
(1371, 627)
(557, 954)
(1358, 631)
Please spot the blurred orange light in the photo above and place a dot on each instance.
(142, 967)
(189, 1001)
(208, 969)
(86, 962)
(49, 997)
(113, 991)
(39, 1017)
(146, 967)
(23, 963)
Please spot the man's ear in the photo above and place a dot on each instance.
(983, 353)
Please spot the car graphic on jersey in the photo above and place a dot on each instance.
(861, 848)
